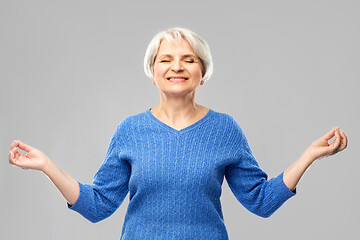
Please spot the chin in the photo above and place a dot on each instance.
(180, 92)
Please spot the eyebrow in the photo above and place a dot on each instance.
(184, 56)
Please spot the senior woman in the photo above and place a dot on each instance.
(173, 158)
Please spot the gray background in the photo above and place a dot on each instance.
(287, 71)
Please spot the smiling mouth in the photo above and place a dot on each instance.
(177, 79)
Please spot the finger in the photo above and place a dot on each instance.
(11, 154)
(15, 143)
(330, 134)
(17, 160)
(345, 138)
(15, 152)
(17, 155)
(11, 157)
(24, 147)
(336, 143)
(14, 149)
(343, 141)
(18, 163)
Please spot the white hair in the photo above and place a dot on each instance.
(200, 47)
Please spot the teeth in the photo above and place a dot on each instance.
(177, 78)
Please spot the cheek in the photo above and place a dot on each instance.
(160, 70)
(197, 72)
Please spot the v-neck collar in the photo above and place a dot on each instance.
(171, 129)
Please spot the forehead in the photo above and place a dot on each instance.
(175, 47)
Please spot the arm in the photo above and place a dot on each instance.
(318, 149)
(250, 184)
(37, 160)
(95, 201)
(263, 197)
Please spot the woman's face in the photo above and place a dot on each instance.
(177, 69)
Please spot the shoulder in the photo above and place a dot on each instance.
(128, 124)
(223, 116)
(132, 120)
(226, 119)
(226, 125)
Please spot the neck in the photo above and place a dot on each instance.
(176, 109)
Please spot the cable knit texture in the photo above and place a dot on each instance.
(174, 178)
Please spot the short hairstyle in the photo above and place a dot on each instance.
(200, 47)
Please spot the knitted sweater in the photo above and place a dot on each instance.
(174, 178)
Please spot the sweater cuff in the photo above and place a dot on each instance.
(283, 188)
(81, 201)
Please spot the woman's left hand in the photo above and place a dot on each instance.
(319, 148)
(322, 148)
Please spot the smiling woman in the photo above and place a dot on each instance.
(198, 46)
(172, 159)
(176, 63)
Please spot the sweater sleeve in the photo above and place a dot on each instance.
(250, 184)
(100, 199)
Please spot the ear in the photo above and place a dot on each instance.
(153, 81)
(202, 77)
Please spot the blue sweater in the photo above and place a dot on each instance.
(174, 178)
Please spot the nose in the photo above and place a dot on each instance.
(177, 66)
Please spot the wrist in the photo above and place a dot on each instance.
(46, 168)
(309, 156)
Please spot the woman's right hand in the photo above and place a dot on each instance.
(34, 159)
